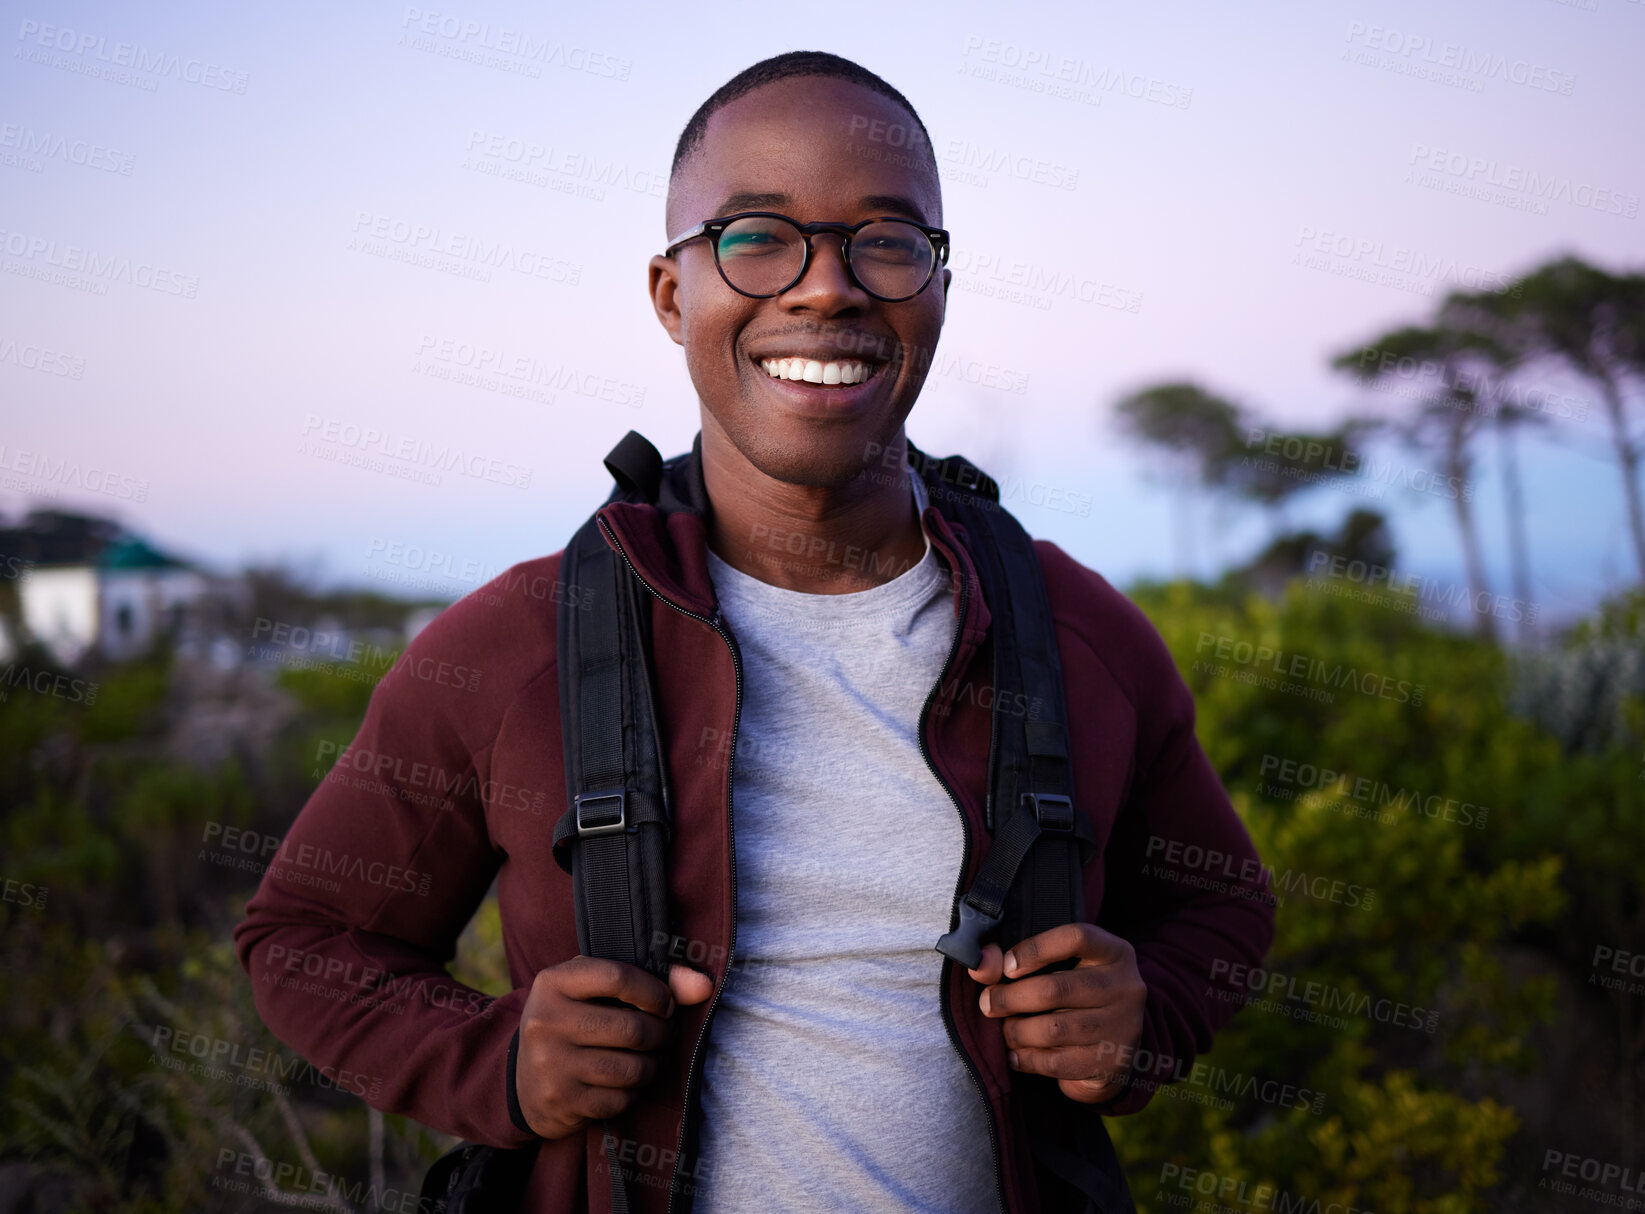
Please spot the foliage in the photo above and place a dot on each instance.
(1436, 900)
(132, 936)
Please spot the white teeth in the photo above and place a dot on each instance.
(810, 370)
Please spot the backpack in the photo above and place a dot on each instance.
(614, 837)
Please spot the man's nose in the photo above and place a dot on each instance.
(826, 282)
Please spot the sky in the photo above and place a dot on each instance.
(253, 257)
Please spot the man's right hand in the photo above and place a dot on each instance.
(581, 1061)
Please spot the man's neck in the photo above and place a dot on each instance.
(810, 538)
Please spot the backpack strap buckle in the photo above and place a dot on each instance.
(964, 943)
(604, 812)
(1052, 810)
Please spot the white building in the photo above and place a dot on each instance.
(117, 604)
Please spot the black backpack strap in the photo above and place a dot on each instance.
(637, 466)
(1037, 832)
(615, 834)
(476, 1179)
(1031, 878)
(1081, 1172)
(613, 838)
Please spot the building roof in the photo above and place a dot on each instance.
(62, 538)
(130, 552)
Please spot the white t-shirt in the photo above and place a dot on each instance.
(829, 1081)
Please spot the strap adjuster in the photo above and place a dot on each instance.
(964, 943)
(1053, 811)
(597, 815)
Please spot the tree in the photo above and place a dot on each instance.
(1201, 431)
(1228, 451)
(1452, 416)
(1590, 322)
(1500, 362)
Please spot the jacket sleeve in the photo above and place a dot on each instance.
(347, 938)
(1183, 881)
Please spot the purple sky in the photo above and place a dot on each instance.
(229, 233)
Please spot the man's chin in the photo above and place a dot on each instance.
(830, 461)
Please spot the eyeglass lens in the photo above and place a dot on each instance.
(763, 256)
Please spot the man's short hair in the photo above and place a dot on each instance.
(783, 67)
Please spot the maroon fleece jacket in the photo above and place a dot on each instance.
(456, 778)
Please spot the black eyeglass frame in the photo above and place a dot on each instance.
(715, 228)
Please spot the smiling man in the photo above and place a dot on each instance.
(827, 721)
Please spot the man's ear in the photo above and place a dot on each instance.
(664, 285)
(947, 277)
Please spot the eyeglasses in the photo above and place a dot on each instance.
(761, 253)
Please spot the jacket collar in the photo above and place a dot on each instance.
(667, 543)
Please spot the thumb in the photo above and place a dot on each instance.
(688, 985)
(992, 968)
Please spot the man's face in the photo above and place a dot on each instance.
(800, 147)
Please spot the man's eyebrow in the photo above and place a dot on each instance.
(893, 204)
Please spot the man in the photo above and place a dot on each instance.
(827, 724)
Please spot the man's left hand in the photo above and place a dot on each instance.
(1081, 1026)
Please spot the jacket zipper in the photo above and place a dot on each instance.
(731, 952)
(959, 880)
